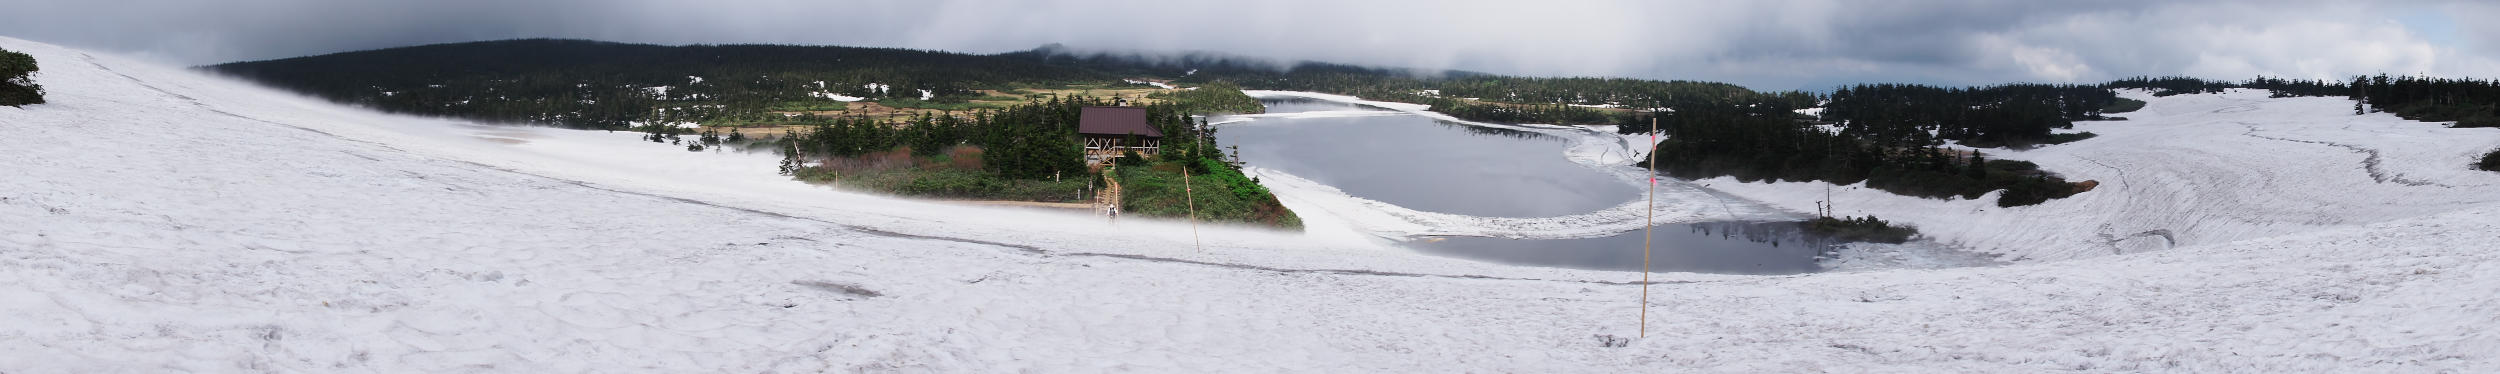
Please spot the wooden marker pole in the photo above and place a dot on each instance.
(1191, 193)
(1649, 224)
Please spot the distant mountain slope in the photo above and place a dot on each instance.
(601, 84)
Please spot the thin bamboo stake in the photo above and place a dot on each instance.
(1190, 193)
(1649, 224)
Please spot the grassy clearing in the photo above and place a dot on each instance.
(1222, 194)
(809, 106)
(949, 106)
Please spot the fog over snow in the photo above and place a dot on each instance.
(1777, 44)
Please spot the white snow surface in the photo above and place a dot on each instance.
(1161, 85)
(168, 221)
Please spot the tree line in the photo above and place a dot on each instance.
(588, 84)
(2468, 102)
(2167, 86)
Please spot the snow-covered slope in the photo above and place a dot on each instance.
(158, 220)
(2200, 169)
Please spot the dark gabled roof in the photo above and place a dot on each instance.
(1112, 120)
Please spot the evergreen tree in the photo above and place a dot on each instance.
(17, 82)
(1978, 166)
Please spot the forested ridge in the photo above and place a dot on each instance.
(1889, 136)
(588, 84)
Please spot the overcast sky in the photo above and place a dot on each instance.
(1766, 44)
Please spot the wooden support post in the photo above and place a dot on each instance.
(1650, 224)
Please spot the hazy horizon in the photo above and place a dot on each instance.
(1773, 45)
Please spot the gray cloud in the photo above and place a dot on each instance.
(1773, 44)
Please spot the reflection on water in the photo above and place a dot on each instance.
(1300, 105)
(1424, 164)
(1712, 247)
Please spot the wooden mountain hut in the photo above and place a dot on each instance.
(1110, 130)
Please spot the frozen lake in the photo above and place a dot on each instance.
(1425, 164)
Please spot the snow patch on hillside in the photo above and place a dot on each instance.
(835, 96)
(1156, 84)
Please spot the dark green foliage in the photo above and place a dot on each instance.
(1229, 177)
(1761, 143)
(1219, 192)
(1214, 97)
(2491, 161)
(1887, 136)
(2070, 137)
(2468, 102)
(1130, 158)
(1860, 229)
(2122, 105)
(17, 82)
(1037, 140)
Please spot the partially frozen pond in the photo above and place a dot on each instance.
(1424, 164)
(1711, 247)
(1429, 165)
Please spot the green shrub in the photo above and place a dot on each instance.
(2491, 161)
(2123, 105)
(17, 82)
(1860, 229)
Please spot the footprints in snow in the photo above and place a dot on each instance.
(2370, 164)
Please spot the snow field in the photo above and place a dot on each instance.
(165, 221)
